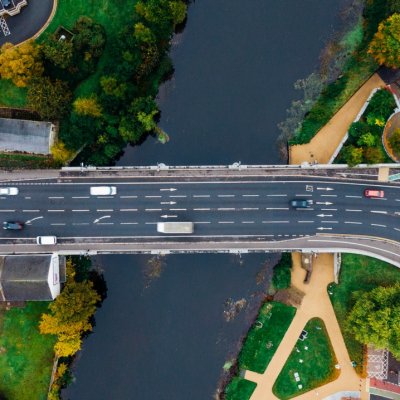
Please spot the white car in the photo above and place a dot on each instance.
(8, 191)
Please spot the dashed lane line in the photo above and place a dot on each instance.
(153, 197)
(105, 210)
(226, 195)
(276, 195)
(250, 195)
(226, 209)
(177, 209)
(277, 208)
(81, 197)
(128, 209)
(177, 196)
(55, 210)
(329, 222)
(129, 223)
(153, 209)
(128, 197)
(379, 225)
(105, 223)
(250, 209)
(56, 197)
(378, 212)
(349, 210)
(353, 197)
(305, 222)
(226, 222)
(328, 209)
(328, 195)
(275, 222)
(59, 224)
(201, 195)
(30, 210)
(80, 210)
(353, 222)
(203, 222)
(7, 211)
(201, 209)
(80, 223)
(247, 222)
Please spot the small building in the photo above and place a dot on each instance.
(26, 136)
(11, 7)
(31, 278)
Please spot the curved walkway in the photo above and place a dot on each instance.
(316, 303)
(30, 22)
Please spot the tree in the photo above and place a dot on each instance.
(51, 100)
(375, 318)
(87, 106)
(374, 155)
(60, 153)
(144, 34)
(58, 52)
(385, 45)
(70, 314)
(112, 87)
(394, 140)
(367, 140)
(352, 155)
(20, 63)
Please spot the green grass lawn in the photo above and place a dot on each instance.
(11, 96)
(26, 355)
(239, 389)
(317, 368)
(265, 336)
(358, 273)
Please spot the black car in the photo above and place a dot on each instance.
(13, 225)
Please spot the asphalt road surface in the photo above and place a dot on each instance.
(228, 209)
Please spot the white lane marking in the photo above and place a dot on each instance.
(27, 198)
(80, 210)
(328, 195)
(201, 195)
(128, 209)
(354, 223)
(328, 209)
(30, 210)
(203, 222)
(305, 222)
(105, 210)
(56, 197)
(349, 210)
(61, 224)
(129, 223)
(247, 222)
(397, 199)
(153, 197)
(99, 219)
(353, 197)
(7, 210)
(81, 197)
(151, 223)
(381, 226)
(275, 222)
(55, 210)
(105, 223)
(378, 212)
(250, 195)
(250, 208)
(226, 222)
(279, 208)
(177, 196)
(128, 197)
(329, 222)
(31, 220)
(80, 223)
(276, 195)
(226, 209)
(226, 195)
(201, 209)
(397, 229)
(303, 195)
(177, 209)
(153, 209)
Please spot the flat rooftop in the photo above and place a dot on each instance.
(26, 136)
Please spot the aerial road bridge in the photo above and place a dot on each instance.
(233, 209)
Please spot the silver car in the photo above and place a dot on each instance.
(8, 191)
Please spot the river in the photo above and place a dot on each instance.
(166, 337)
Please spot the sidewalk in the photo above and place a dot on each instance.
(316, 303)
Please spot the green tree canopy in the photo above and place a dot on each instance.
(375, 318)
(385, 45)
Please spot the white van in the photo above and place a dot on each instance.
(103, 190)
(46, 240)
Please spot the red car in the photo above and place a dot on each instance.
(374, 193)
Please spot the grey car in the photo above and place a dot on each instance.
(301, 203)
(13, 225)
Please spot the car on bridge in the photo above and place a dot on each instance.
(301, 203)
(13, 225)
(373, 193)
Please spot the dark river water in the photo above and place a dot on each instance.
(166, 337)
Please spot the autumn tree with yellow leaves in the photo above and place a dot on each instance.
(20, 63)
(87, 106)
(70, 314)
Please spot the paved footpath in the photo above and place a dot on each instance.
(316, 303)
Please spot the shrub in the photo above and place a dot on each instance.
(281, 278)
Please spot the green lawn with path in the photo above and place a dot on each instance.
(265, 336)
(358, 273)
(312, 359)
(26, 356)
(239, 389)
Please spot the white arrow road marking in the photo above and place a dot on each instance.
(31, 220)
(168, 190)
(324, 229)
(324, 215)
(169, 216)
(325, 203)
(324, 188)
(99, 219)
(168, 202)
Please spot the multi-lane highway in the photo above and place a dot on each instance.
(230, 208)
